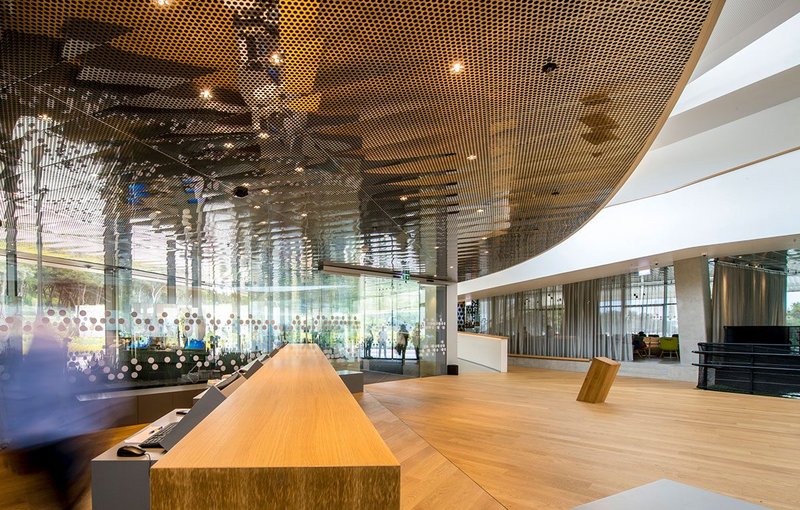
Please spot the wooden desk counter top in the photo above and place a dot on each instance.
(292, 422)
(483, 335)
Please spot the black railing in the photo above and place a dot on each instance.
(763, 369)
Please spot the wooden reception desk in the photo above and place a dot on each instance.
(292, 436)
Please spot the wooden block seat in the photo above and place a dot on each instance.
(598, 381)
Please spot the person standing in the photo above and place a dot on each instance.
(383, 338)
(402, 343)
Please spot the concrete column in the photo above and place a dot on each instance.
(694, 305)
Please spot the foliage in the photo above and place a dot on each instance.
(793, 315)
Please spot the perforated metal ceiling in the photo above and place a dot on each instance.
(367, 132)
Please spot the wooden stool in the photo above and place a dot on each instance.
(598, 381)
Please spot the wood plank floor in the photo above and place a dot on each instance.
(524, 439)
(427, 478)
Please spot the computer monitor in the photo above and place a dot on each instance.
(213, 397)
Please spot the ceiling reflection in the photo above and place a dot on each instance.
(253, 139)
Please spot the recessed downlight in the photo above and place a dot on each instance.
(479, 211)
(457, 67)
(304, 215)
(228, 145)
(256, 207)
(299, 169)
(403, 198)
(205, 94)
(484, 238)
(472, 157)
(263, 135)
(276, 59)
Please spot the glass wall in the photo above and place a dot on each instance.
(121, 327)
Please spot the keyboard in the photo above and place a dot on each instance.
(154, 441)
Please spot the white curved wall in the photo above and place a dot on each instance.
(756, 202)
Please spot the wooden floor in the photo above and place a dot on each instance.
(427, 479)
(524, 439)
(520, 440)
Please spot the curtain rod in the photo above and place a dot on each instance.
(745, 266)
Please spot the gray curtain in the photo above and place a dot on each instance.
(747, 296)
(578, 320)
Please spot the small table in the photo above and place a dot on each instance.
(668, 495)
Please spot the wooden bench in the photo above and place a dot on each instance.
(292, 436)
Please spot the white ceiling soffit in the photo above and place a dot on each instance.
(740, 23)
(736, 211)
(770, 54)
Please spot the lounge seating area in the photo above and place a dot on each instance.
(654, 346)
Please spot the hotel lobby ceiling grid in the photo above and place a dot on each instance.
(264, 136)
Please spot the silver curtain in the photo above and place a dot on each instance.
(578, 320)
(747, 296)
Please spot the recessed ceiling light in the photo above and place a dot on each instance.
(263, 135)
(262, 222)
(228, 145)
(304, 215)
(434, 276)
(435, 247)
(457, 67)
(486, 252)
(256, 207)
(44, 116)
(276, 59)
(472, 157)
(483, 238)
(265, 191)
(403, 198)
(451, 267)
(479, 211)
(299, 169)
(163, 3)
(206, 94)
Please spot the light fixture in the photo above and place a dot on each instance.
(299, 169)
(265, 191)
(163, 3)
(472, 157)
(483, 238)
(479, 211)
(435, 247)
(228, 145)
(457, 67)
(262, 222)
(403, 198)
(206, 94)
(304, 215)
(486, 252)
(276, 59)
(263, 135)
(44, 117)
(256, 207)
(451, 267)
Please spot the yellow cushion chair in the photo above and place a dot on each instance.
(669, 345)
